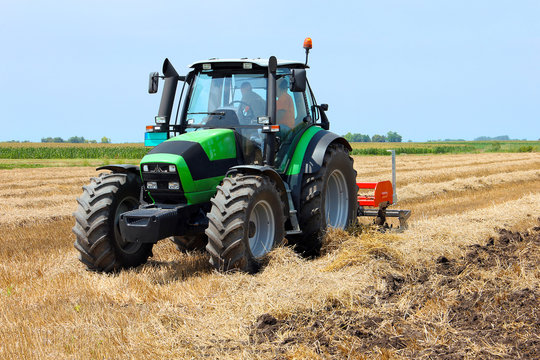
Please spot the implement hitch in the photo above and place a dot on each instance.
(378, 202)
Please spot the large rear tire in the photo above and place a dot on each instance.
(328, 199)
(246, 221)
(98, 239)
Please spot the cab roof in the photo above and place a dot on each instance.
(233, 63)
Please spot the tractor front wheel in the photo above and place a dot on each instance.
(97, 231)
(246, 221)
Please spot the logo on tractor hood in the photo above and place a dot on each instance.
(157, 169)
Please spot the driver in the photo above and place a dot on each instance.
(253, 100)
(284, 105)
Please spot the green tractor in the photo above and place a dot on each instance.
(246, 162)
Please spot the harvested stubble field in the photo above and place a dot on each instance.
(460, 283)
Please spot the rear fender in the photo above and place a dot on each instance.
(314, 157)
(312, 160)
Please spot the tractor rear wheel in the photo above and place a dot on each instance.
(190, 242)
(246, 221)
(98, 239)
(328, 199)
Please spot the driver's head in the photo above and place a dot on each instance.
(245, 88)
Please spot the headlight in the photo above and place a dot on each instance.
(160, 119)
(174, 186)
(172, 168)
(145, 168)
(151, 185)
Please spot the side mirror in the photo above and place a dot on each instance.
(298, 80)
(153, 83)
(325, 124)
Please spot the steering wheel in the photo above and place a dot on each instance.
(243, 114)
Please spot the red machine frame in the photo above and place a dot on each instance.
(383, 196)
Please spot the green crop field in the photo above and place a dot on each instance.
(31, 155)
(445, 147)
(34, 155)
(71, 151)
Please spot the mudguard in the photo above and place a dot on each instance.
(267, 171)
(120, 168)
(316, 149)
(312, 160)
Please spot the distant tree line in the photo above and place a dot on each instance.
(390, 136)
(497, 138)
(75, 140)
(482, 138)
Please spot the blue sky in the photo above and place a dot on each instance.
(426, 69)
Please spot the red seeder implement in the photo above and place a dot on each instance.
(376, 203)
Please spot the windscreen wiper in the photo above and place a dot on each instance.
(207, 113)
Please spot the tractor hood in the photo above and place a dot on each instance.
(200, 158)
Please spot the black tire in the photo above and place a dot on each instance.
(312, 216)
(98, 239)
(245, 222)
(188, 243)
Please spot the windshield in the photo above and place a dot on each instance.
(226, 100)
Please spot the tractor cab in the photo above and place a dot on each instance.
(236, 94)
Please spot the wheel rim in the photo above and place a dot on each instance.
(336, 199)
(261, 230)
(127, 204)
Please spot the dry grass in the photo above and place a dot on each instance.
(371, 294)
(36, 195)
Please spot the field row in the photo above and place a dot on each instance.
(43, 193)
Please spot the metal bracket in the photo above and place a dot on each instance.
(292, 213)
(382, 213)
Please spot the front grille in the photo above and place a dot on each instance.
(159, 172)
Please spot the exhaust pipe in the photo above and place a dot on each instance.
(169, 91)
(270, 147)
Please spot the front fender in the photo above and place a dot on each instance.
(263, 170)
(120, 168)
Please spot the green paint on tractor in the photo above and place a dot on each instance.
(295, 165)
(218, 144)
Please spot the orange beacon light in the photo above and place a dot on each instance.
(308, 44)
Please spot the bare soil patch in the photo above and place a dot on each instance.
(498, 319)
